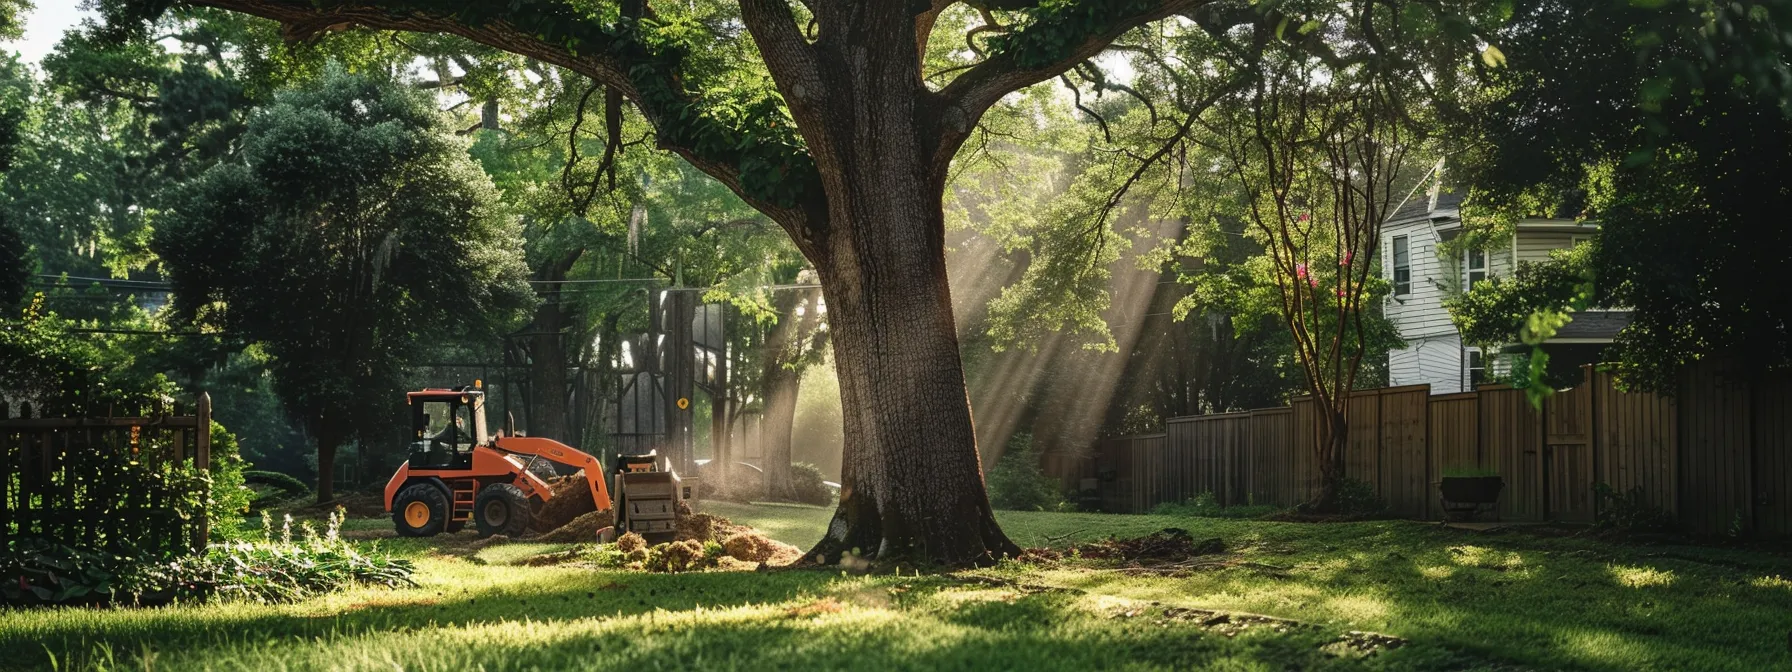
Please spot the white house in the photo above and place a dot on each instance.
(1422, 277)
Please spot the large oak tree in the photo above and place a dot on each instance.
(847, 148)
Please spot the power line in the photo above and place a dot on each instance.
(147, 284)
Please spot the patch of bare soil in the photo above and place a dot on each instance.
(1167, 552)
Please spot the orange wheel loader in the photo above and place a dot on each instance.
(458, 473)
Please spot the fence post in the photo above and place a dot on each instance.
(202, 458)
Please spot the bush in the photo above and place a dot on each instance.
(229, 499)
(282, 569)
(283, 486)
(1205, 505)
(807, 484)
(1358, 498)
(1016, 482)
(40, 572)
(1630, 512)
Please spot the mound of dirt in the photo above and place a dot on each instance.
(581, 529)
(1167, 545)
(571, 499)
(702, 527)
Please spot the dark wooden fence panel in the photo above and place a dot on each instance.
(1362, 455)
(1635, 439)
(1404, 480)
(1568, 455)
(1773, 458)
(1268, 457)
(1717, 454)
(1714, 437)
(1511, 443)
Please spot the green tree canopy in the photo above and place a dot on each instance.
(351, 232)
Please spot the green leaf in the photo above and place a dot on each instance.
(1493, 57)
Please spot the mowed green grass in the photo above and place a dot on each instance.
(1463, 600)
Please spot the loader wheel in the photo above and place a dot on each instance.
(542, 469)
(501, 508)
(420, 510)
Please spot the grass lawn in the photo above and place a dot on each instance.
(1461, 600)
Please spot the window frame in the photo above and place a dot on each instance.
(1469, 368)
(1401, 264)
(1470, 271)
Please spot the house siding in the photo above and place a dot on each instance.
(1435, 360)
(1421, 313)
(1535, 246)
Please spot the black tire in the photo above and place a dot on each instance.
(501, 508)
(431, 499)
(542, 469)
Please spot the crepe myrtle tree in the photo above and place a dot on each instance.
(847, 147)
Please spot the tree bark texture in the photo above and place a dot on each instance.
(781, 388)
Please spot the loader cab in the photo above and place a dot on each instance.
(446, 423)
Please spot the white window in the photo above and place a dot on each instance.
(1474, 265)
(1477, 368)
(1402, 267)
(1575, 241)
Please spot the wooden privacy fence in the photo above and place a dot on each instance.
(1717, 455)
(132, 481)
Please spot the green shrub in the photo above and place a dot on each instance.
(1016, 482)
(1205, 505)
(1630, 511)
(230, 498)
(283, 569)
(282, 486)
(1358, 498)
(39, 571)
(808, 485)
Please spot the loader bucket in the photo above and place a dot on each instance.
(650, 504)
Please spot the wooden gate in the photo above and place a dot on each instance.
(1568, 455)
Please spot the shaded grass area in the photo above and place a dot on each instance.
(1463, 600)
(1501, 598)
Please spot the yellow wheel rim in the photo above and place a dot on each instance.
(416, 514)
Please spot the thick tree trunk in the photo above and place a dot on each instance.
(551, 417)
(911, 483)
(329, 437)
(781, 387)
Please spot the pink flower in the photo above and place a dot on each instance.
(1348, 255)
(1304, 217)
(1313, 282)
(1300, 271)
(1341, 291)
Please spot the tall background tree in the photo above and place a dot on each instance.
(1667, 123)
(350, 233)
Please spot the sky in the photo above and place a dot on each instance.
(44, 27)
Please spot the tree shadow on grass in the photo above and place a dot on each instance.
(779, 620)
